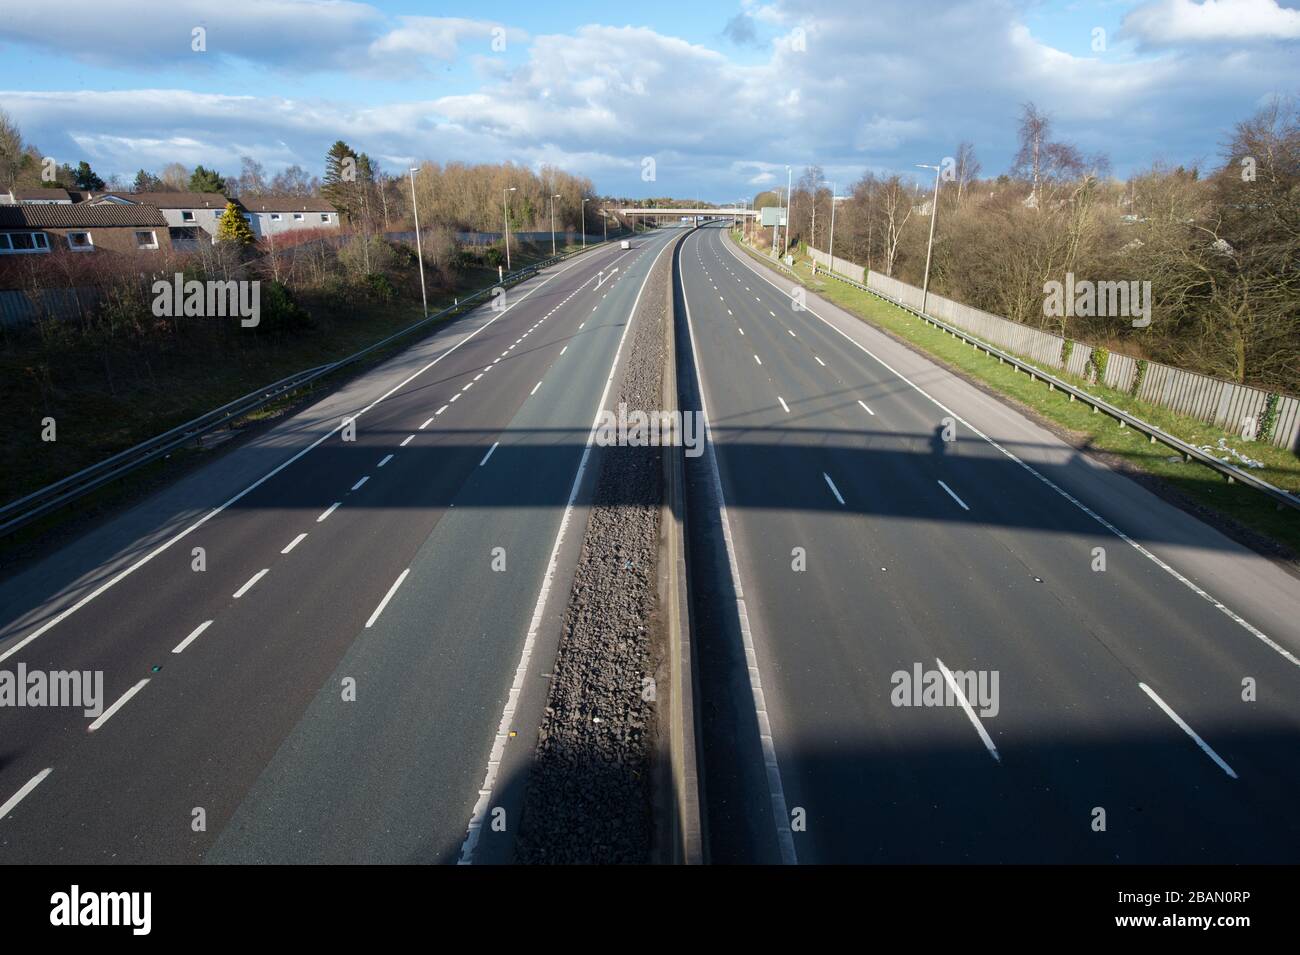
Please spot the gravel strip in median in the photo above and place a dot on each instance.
(590, 790)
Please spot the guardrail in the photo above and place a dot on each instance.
(1126, 420)
(26, 509)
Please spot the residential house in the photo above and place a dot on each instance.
(271, 216)
(191, 216)
(82, 228)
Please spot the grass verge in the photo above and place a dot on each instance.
(1245, 514)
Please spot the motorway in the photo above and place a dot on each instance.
(357, 670)
(1146, 665)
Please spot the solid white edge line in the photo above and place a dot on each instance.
(121, 702)
(294, 543)
(953, 494)
(965, 705)
(121, 575)
(1205, 747)
(387, 597)
(489, 453)
(474, 829)
(1163, 565)
(775, 788)
(12, 802)
(192, 637)
(249, 584)
(834, 489)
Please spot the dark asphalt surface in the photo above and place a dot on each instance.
(249, 722)
(995, 576)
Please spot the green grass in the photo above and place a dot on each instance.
(1098, 432)
(105, 399)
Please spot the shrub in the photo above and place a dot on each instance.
(1268, 420)
(1138, 377)
(281, 314)
(364, 255)
(379, 287)
(1067, 349)
(1097, 362)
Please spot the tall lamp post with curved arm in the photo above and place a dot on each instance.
(505, 212)
(553, 198)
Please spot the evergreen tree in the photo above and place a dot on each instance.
(147, 182)
(232, 226)
(85, 177)
(342, 170)
(206, 180)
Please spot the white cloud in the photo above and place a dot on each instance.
(1165, 22)
(417, 39)
(296, 35)
(866, 93)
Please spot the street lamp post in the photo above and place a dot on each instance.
(934, 214)
(419, 248)
(584, 222)
(831, 251)
(788, 173)
(505, 212)
(553, 198)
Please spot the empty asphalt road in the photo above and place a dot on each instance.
(884, 517)
(325, 680)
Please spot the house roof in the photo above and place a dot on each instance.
(48, 195)
(78, 215)
(286, 204)
(168, 200)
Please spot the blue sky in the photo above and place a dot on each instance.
(720, 95)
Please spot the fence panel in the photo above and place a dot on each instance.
(1207, 399)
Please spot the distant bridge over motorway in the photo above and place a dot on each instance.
(721, 213)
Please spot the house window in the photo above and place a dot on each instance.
(275, 217)
(324, 217)
(81, 242)
(297, 217)
(187, 216)
(23, 243)
(146, 240)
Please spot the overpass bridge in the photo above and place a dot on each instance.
(720, 213)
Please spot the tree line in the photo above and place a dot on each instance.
(1219, 242)
(465, 196)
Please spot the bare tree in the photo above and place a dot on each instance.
(11, 151)
(896, 208)
(968, 167)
